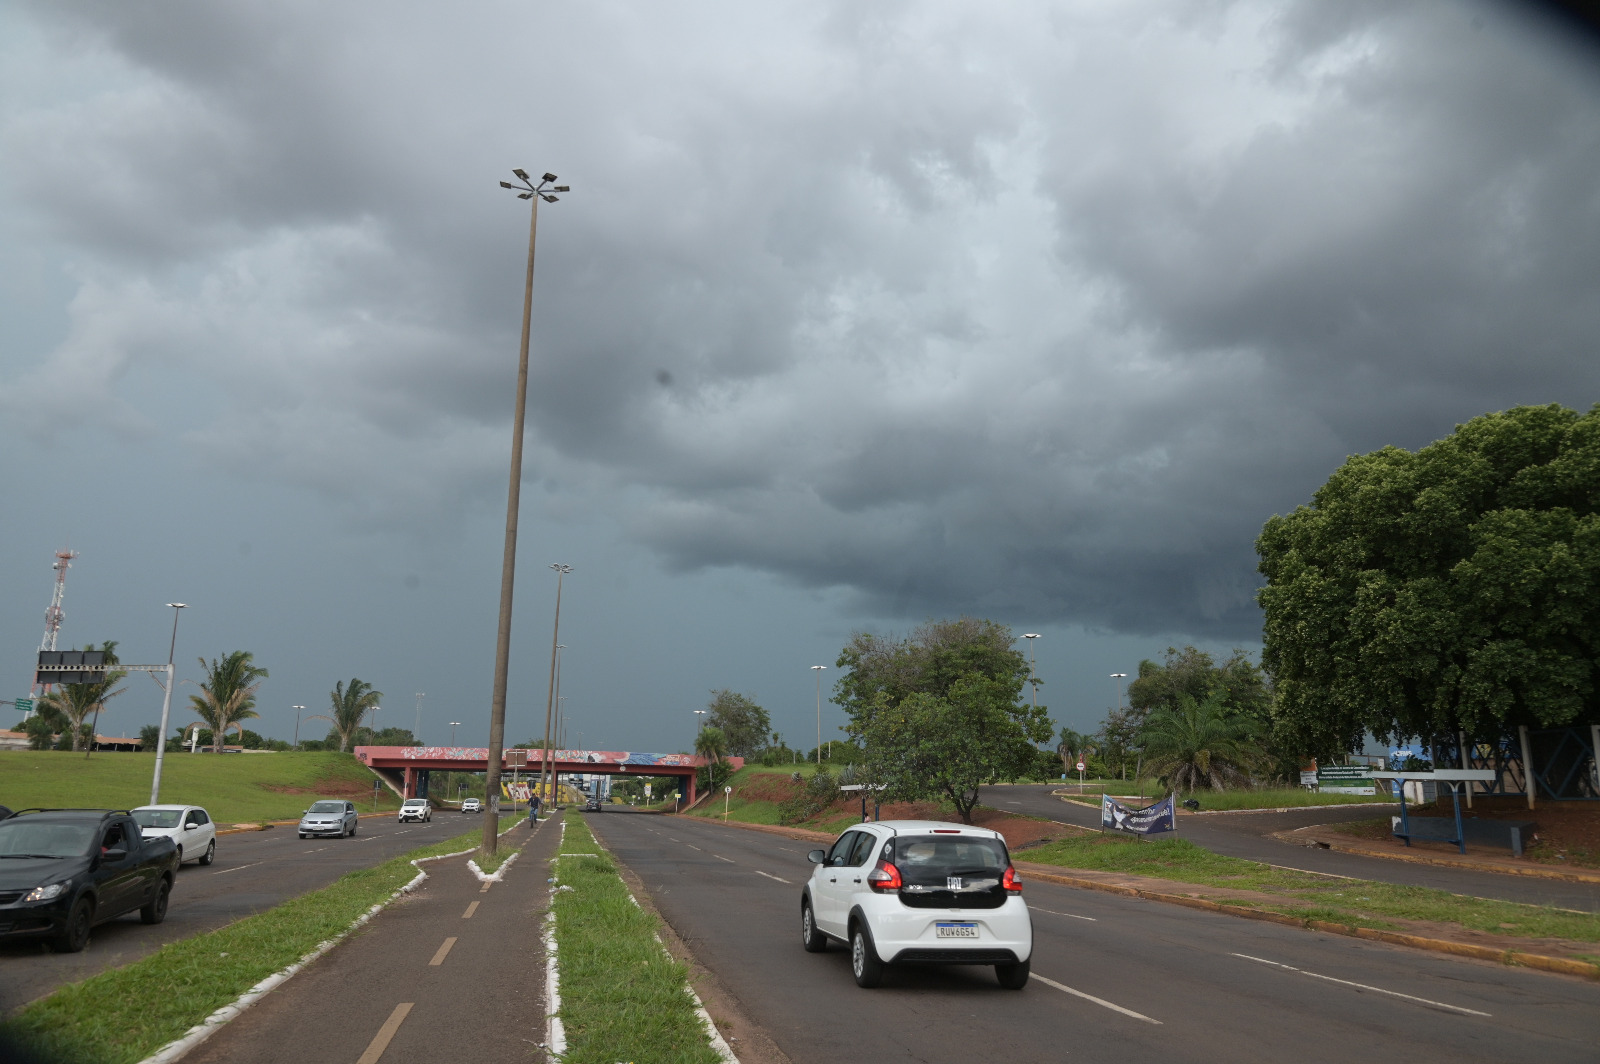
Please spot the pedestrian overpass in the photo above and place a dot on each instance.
(416, 762)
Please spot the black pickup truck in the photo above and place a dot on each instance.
(64, 870)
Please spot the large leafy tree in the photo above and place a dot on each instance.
(75, 703)
(228, 694)
(350, 705)
(940, 713)
(1455, 588)
(1201, 745)
(745, 726)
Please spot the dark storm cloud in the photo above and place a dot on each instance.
(1030, 310)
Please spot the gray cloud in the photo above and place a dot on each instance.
(1038, 309)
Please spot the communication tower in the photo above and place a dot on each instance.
(54, 615)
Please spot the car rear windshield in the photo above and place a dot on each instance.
(158, 818)
(930, 860)
(326, 807)
(44, 839)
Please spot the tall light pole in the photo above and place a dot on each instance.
(1119, 677)
(1033, 677)
(297, 711)
(700, 720)
(508, 565)
(417, 735)
(453, 731)
(818, 670)
(166, 703)
(546, 771)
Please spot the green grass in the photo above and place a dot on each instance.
(622, 996)
(124, 1015)
(1265, 798)
(1355, 903)
(234, 788)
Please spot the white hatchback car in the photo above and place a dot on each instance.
(919, 892)
(416, 809)
(189, 827)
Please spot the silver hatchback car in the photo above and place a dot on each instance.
(329, 817)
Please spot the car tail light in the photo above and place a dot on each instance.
(885, 877)
(1011, 881)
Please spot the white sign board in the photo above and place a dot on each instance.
(647, 790)
(1080, 766)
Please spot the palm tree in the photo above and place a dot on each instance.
(711, 742)
(75, 701)
(350, 705)
(1199, 745)
(228, 695)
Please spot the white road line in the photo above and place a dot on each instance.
(1364, 986)
(1102, 1002)
(769, 875)
(236, 868)
(1052, 912)
(719, 857)
(692, 846)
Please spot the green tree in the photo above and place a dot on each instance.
(1201, 745)
(350, 705)
(1452, 589)
(149, 737)
(1070, 746)
(745, 725)
(712, 744)
(76, 702)
(228, 694)
(938, 654)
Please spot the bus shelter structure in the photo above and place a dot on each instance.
(415, 762)
(1455, 779)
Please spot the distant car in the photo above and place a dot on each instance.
(329, 817)
(416, 809)
(189, 827)
(472, 805)
(593, 805)
(70, 869)
(917, 891)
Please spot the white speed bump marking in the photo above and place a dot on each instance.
(1102, 1002)
(1364, 986)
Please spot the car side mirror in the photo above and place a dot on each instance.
(817, 856)
(116, 853)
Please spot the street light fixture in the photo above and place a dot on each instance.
(297, 711)
(818, 670)
(508, 565)
(1119, 677)
(453, 731)
(701, 723)
(177, 609)
(1033, 677)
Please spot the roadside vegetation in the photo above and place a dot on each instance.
(234, 788)
(126, 1014)
(622, 996)
(1257, 798)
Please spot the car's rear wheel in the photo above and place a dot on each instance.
(156, 910)
(75, 935)
(210, 854)
(1013, 976)
(864, 962)
(810, 937)
(353, 825)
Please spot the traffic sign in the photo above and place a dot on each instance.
(1080, 766)
(24, 706)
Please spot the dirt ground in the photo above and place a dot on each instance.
(1566, 832)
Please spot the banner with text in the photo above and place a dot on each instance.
(1152, 820)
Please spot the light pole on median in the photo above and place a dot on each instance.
(1033, 677)
(818, 670)
(297, 711)
(548, 773)
(508, 566)
(166, 703)
(453, 725)
(1119, 677)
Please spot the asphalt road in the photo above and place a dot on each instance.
(1115, 978)
(253, 871)
(1244, 835)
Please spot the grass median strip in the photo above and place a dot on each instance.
(622, 996)
(124, 1015)
(1352, 902)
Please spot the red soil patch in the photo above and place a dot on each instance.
(334, 788)
(1566, 832)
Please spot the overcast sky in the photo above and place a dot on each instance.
(857, 315)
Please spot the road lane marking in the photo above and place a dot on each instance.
(692, 846)
(1102, 1002)
(719, 857)
(236, 868)
(1052, 912)
(1364, 986)
(470, 910)
(769, 875)
(486, 885)
(385, 1035)
(444, 951)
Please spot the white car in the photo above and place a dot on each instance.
(189, 827)
(419, 809)
(919, 892)
(472, 805)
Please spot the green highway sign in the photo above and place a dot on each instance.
(24, 706)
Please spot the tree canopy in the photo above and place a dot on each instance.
(1454, 588)
(745, 726)
(349, 706)
(228, 694)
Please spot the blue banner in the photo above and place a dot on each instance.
(1152, 820)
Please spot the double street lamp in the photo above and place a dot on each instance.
(526, 190)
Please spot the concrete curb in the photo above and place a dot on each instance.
(1561, 965)
(1333, 842)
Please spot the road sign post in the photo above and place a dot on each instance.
(727, 792)
(1080, 777)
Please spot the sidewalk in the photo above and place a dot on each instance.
(1422, 851)
(453, 971)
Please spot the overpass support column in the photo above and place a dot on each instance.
(691, 791)
(410, 788)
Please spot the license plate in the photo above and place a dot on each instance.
(954, 930)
